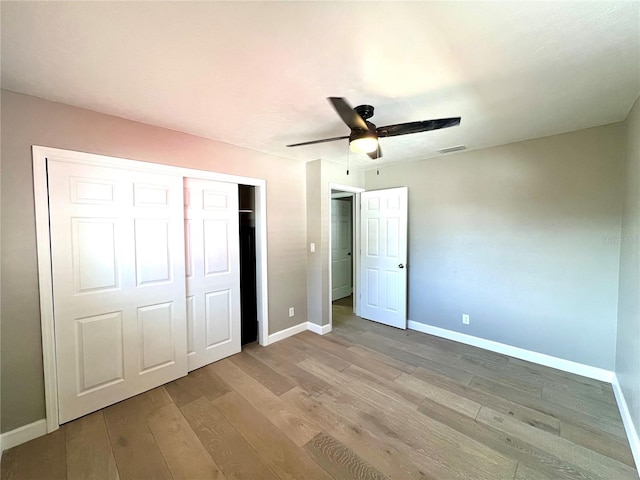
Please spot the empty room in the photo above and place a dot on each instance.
(320, 240)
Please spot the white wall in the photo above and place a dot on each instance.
(523, 238)
(628, 341)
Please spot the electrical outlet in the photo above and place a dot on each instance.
(465, 319)
(291, 312)
(312, 247)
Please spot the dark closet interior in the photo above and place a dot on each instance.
(248, 299)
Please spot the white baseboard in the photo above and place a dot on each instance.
(301, 327)
(630, 428)
(287, 332)
(23, 434)
(320, 330)
(535, 357)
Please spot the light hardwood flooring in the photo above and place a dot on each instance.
(366, 402)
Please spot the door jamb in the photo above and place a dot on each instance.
(355, 247)
(43, 248)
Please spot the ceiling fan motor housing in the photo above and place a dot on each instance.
(365, 111)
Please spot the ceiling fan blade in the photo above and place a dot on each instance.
(416, 127)
(348, 114)
(376, 154)
(312, 142)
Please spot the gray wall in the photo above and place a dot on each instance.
(523, 238)
(28, 121)
(628, 345)
(315, 299)
(320, 174)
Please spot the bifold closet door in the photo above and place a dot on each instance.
(212, 270)
(117, 248)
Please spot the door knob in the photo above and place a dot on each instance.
(401, 266)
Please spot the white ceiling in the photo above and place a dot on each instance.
(257, 74)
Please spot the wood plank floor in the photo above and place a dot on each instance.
(364, 402)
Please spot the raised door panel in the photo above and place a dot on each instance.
(100, 342)
(218, 318)
(153, 251)
(372, 248)
(217, 253)
(151, 195)
(94, 191)
(392, 242)
(155, 326)
(95, 254)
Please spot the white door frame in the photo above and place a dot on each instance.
(355, 225)
(43, 245)
(339, 196)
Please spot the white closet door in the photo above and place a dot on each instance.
(117, 250)
(213, 270)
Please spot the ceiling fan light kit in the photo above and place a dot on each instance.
(363, 143)
(364, 136)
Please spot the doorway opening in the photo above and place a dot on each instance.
(248, 291)
(342, 273)
(343, 254)
(341, 245)
(379, 259)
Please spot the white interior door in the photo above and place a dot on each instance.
(212, 270)
(117, 250)
(383, 256)
(341, 245)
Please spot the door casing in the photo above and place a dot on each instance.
(43, 247)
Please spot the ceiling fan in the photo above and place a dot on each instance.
(364, 134)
